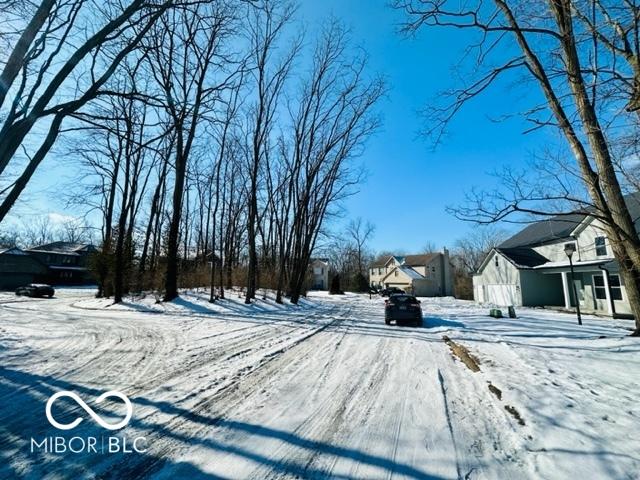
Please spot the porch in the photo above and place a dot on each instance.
(597, 284)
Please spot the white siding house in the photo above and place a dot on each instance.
(532, 269)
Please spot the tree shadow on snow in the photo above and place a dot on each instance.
(436, 322)
(22, 416)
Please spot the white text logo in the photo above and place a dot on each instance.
(89, 410)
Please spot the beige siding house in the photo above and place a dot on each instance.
(532, 269)
(426, 275)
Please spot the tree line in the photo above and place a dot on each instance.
(210, 137)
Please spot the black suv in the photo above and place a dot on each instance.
(403, 308)
(36, 290)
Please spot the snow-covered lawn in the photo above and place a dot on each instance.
(320, 390)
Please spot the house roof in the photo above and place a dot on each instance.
(564, 265)
(12, 251)
(380, 262)
(408, 271)
(418, 260)
(410, 260)
(562, 226)
(399, 259)
(523, 257)
(543, 231)
(63, 247)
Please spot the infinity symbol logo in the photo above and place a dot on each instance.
(89, 410)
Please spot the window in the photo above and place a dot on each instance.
(380, 271)
(395, 273)
(614, 286)
(601, 246)
(433, 269)
(598, 286)
(495, 260)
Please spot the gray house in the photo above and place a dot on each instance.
(67, 262)
(532, 269)
(18, 268)
(426, 275)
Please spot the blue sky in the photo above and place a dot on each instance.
(409, 185)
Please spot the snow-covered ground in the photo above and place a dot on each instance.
(323, 390)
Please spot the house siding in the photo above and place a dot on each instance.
(504, 277)
(319, 275)
(20, 269)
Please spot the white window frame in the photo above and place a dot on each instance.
(604, 246)
(612, 288)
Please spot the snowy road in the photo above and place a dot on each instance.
(325, 390)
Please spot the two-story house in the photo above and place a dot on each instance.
(532, 269)
(67, 262)
(427, 275)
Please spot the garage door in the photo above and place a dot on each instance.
(502, 295)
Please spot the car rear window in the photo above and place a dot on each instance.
(403, 299)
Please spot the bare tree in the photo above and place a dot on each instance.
(75, 230)
(582, 57)
(360, 232)
(470, 251)
(267, 21)
(184, 48)
(60, 39)
(222, 137)
(429, 247)
(38, 231)
(333, 118)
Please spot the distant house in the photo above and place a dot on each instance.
(427, 275)
(320, 274)
(532, 269)
(67, 262)
(18, 268)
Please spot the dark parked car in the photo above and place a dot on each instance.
(385, 292)
(403, 308)
(36, 290)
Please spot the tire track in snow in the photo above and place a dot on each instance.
(119, 331)
(327, 419)
(449, 423)
(230, 394)
(488, 444)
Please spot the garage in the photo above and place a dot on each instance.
(501, 294)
